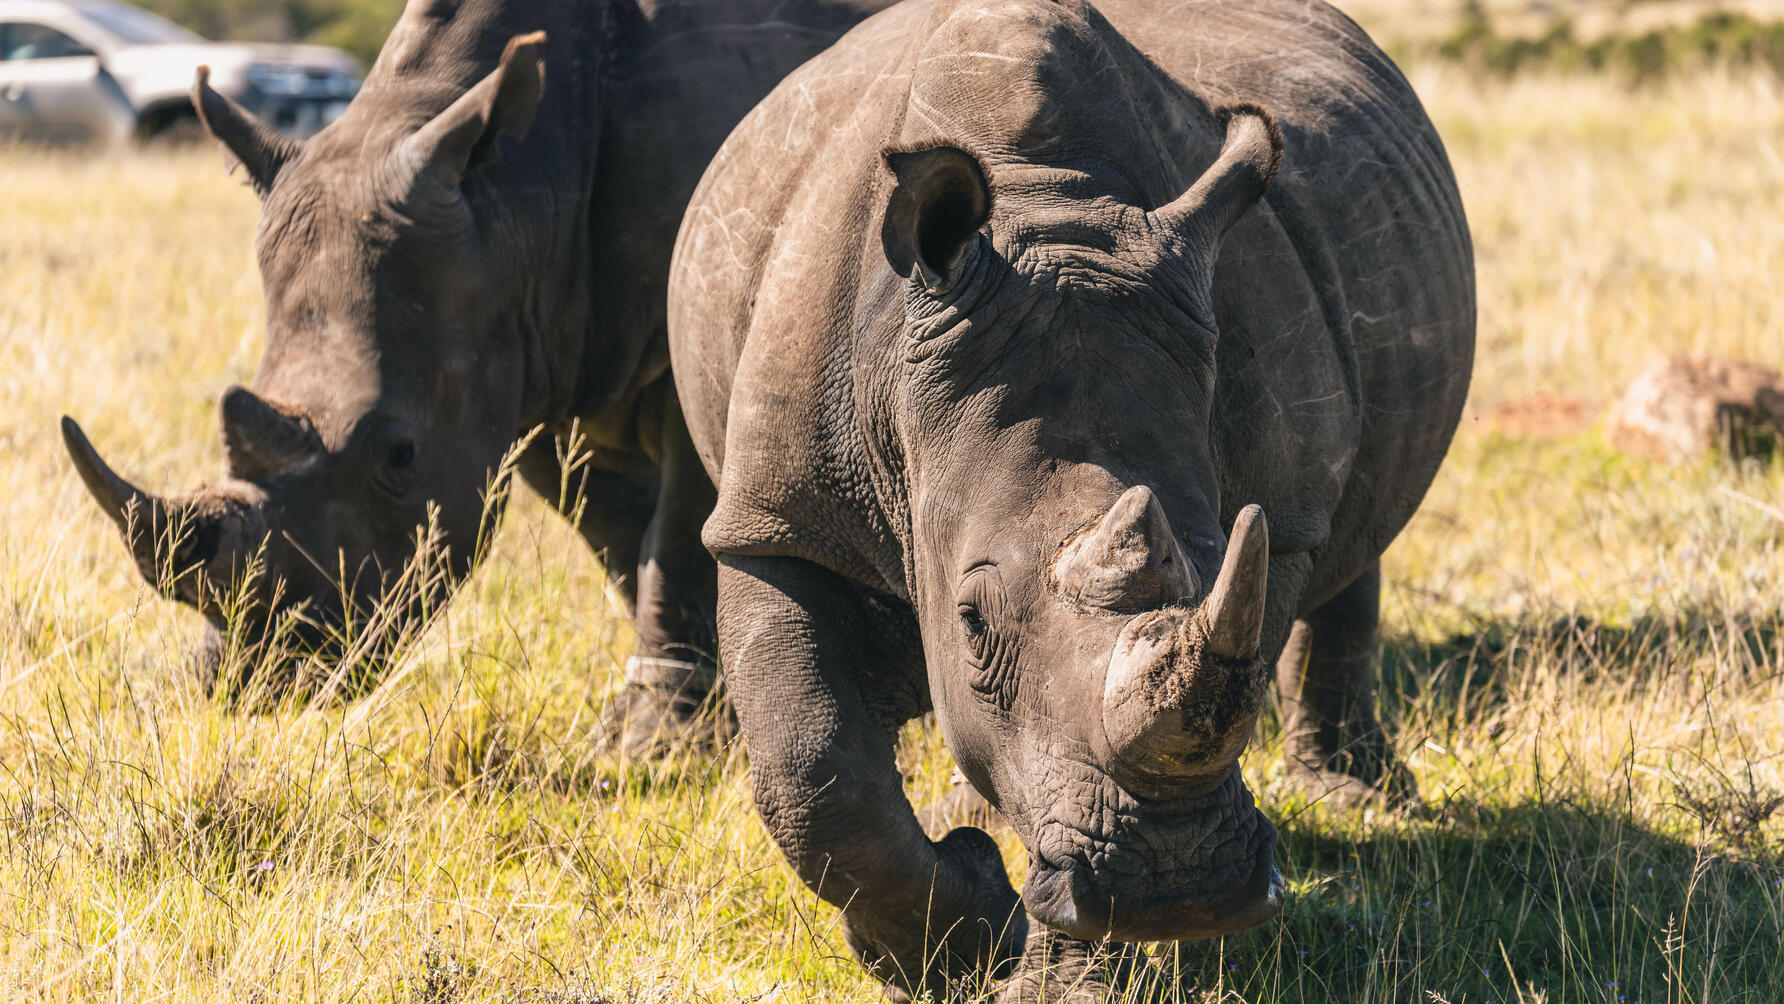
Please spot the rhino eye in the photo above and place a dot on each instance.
(980, 607)
(401, 455)
(973, 621)
(992, 650)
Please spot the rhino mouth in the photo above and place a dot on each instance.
(1169, 878)
(300, 650)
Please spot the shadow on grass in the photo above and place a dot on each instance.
(1552, 902)
(1695, 653)
(1473, 662)
(1556, 888)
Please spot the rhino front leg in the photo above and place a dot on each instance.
(1335, 748)
(821, 678)
(1056, 969)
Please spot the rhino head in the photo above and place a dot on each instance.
(1093, 627)
(389, 389)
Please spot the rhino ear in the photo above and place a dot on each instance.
(504, 103)
(938, 204)
(1248, 161)
(246, 140)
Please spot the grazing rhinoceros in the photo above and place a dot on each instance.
(1002, 380)
(480, 246)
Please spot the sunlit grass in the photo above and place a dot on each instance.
(1582, 657)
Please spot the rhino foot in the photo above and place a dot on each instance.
(949, 942)
(1059, 970)
(1354, 783)
(668, 706)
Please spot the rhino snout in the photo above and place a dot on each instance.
(1156, 875)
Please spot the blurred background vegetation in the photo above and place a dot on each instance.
(359, 26)
(1641, 40)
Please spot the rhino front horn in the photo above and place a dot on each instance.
(1180, 695)
(167, 540)
(1233, 615)
(121, 500)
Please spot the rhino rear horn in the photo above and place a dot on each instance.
(1249, 158)
(246, 139)
(1128, 560)
(260, 439)
(501, 104)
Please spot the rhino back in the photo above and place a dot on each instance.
(684, 72)
(1344, 303)
(639, 95)
(1360, 258)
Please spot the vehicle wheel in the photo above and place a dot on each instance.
(172, 126)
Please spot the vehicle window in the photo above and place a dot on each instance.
(132, 25)
(24, 40)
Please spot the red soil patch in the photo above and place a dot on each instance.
(1540, 416)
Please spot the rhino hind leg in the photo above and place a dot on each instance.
(1335, 749)
(1744, 432)
(674, 698)
(644, 521)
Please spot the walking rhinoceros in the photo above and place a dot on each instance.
(1023, 406)
(480, 246)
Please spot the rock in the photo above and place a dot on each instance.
(1681, 407)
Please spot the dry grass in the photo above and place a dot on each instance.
(1583, 657)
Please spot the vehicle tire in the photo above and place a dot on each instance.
(170, 125)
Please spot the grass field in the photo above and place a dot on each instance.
(1583, 655)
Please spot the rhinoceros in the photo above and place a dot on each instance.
(478, 247)
(1023, 407)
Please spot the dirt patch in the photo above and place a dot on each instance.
(1540, 416)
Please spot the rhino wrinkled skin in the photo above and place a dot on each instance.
(1022, 406)
(478, 247)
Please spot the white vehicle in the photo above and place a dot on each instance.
(99, 71)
